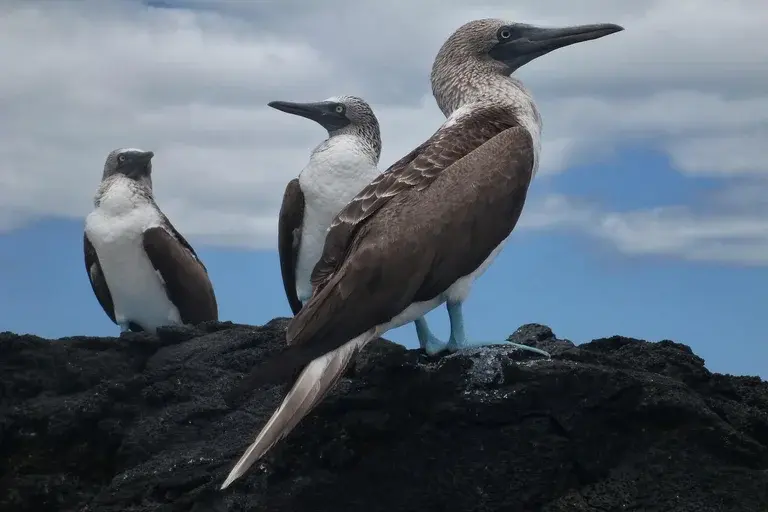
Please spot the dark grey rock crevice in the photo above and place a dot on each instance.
(138, 423)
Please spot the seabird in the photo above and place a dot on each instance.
(390, 255)
(338, 168)
(142, 271)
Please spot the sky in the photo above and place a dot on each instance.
(648, 217)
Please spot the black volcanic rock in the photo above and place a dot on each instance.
(138, 423)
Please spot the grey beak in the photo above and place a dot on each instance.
(138, 165)
(320, 112)
(313, 111)
(529, 42)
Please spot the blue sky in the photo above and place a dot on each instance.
(580, 287)
(647, 217)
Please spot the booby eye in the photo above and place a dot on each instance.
(505, 33)
(121, 158)
(339, 109)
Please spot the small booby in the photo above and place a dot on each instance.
(390, 255)
(338, 168)
(142, 271)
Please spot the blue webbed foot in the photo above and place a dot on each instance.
(459, 341)
(454, 345)
(428, 341)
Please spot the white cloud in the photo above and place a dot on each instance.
(82, 78)
(677, 231)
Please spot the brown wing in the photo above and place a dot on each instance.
(414, 248)
(288, 239)
(96, 277)
(179, 238)
(415, 171)
(185, 277)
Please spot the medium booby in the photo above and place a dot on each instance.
(390, 255)
(142, 271)
(338, 168)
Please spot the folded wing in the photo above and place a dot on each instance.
(97, 279)
(289, 238)
(184, 275)
(472, 172)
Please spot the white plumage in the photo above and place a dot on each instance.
(337, 170)
(115, 228)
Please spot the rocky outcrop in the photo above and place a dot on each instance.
(138, 423)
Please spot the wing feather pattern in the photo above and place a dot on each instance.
(314, 383)
(97, 279)
(289, 239)
(415, 171)
(383, 272)
(184, 275)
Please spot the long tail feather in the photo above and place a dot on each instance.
(310, 388)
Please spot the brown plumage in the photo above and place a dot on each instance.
(369, 264)
(289, 239)
(383, 272)
(423, 230)
(185, 277)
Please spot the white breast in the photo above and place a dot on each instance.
(115, 229)
(336, 172)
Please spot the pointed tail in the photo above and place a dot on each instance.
(310, 388)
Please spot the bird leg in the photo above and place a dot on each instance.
(125, 326)
(428, 341)
(459, 341)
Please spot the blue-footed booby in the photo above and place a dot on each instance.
(338, 168)
(142, 271)
(390, 255)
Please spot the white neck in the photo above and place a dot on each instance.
(118, 194)
(339, 166)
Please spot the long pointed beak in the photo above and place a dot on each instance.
(540, 39)
(313, 111)
(537, 39)
(531, 42)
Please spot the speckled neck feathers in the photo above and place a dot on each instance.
(460, 78)
(462, 81)
(365, 135)
(116, 185)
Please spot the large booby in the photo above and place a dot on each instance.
(390, 255)
(142, 271)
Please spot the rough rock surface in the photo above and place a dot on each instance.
(137, 423)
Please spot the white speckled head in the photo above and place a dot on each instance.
(339, 115)
(480, 51)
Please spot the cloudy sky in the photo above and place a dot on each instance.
(648, 217)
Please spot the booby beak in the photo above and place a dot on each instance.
(321, 112)
(139, 165)
(144, 157)
(528, 42)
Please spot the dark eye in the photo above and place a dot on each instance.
(121, 158)
(339, 109)
(505, 33)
